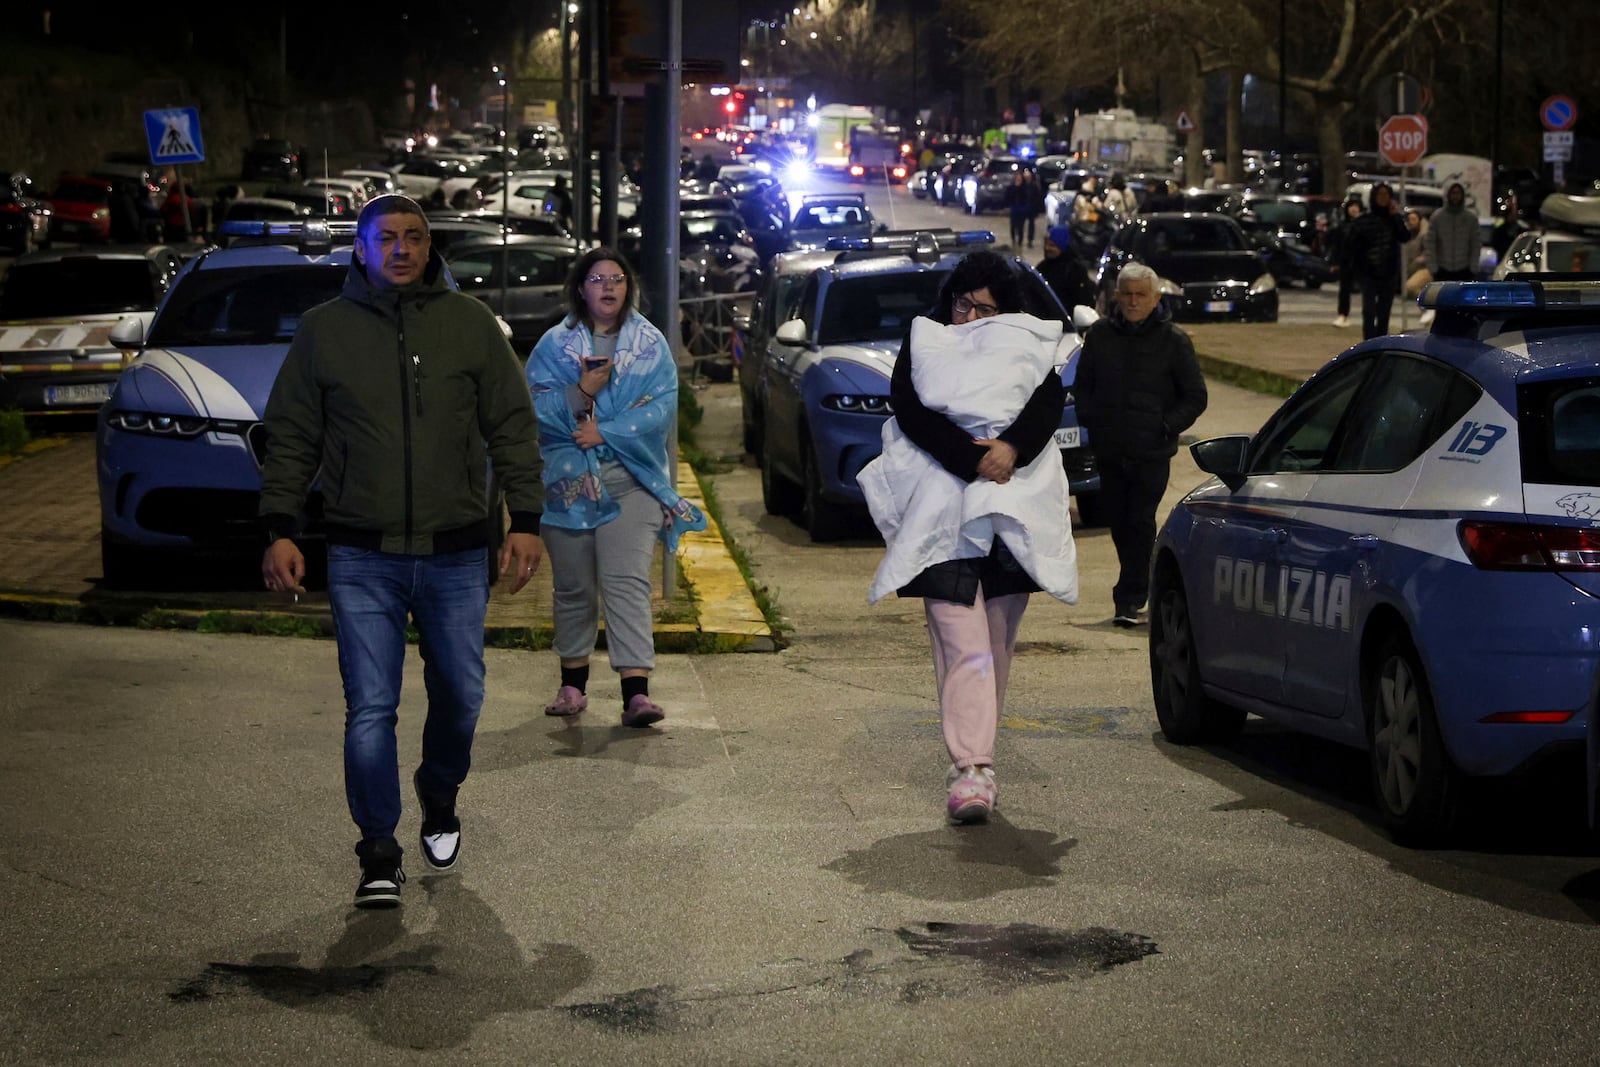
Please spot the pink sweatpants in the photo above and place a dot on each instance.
(971, 662)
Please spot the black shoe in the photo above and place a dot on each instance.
(381, 876)
(441, 829)
(1125, 619)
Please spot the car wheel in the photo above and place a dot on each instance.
(1186, 714)
(1312, 283)
(1091, 510)
(751, 426)
(779, 496)
(823, 519)
(127, 567)
(1415, 784)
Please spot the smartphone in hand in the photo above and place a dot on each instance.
(593, 362)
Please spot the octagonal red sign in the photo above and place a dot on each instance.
(1403, 140)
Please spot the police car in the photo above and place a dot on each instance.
(1406, 557)
(179, 443)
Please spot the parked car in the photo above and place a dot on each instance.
(1405, 557)
(81, 209)
(985, 188)
(272, 159)
(534, 270)
(24, 213)
(1207, 267)
(57, 309)
(319, 202)
(178, 445)
(820, 218)
(823, 393)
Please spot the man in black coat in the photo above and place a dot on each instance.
(1138, 387)
(1066, 273)
(1373, 248)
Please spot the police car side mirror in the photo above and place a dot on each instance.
(1223, 457)
(793, 333)
(1083, 317)
(129, 332)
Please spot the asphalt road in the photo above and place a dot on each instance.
(769, 878)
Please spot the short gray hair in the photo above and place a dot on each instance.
(1137, 272)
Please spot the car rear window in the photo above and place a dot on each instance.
(254, 306)
(1560, 431)
(78, 285)
(876, 307)
(1168, 236)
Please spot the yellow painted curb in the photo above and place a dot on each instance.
(729, 615)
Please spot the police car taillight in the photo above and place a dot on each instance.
(1505, 546)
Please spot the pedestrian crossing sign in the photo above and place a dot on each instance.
(174, 135)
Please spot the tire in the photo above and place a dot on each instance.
(824, 520)
(1313, 284)
(128, 567)
(779, 496)
(750, 428)
(1416, 787)
(1187, 716)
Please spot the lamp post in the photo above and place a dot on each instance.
(505, 189)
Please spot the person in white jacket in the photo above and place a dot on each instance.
(971, 498)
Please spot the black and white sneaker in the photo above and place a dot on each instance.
(381, 876)
(1125, 619)
(441, 829)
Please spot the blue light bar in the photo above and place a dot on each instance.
(1545, 295)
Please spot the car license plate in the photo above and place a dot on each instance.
(96, 393)
(1218, 306)
(1067, 437)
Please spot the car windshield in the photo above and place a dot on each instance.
(829, 216)
(1279, 213)
(77, 285)
(243, 306)
(876, 307)
(1176, 236)
(709, 229)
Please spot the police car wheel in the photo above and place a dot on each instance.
(1186, 714)
(779, 496)
(1413, 781)
(823, 520)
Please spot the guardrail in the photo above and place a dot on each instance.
(708, 326)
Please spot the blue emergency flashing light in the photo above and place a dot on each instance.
(1545, 294)
(310, 235)
(910, 241)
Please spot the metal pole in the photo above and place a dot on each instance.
(505, 197)
(1285, 155)
(1499, 54)
(590, 52)
(666, 175)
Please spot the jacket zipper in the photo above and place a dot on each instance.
(405, 413)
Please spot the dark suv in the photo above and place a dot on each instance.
(272, 159)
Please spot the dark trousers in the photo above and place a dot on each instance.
(1377, 298)
(1019, 224)
(1346, 283)
(1130, 493)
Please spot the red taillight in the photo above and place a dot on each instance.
(1545, 717)
(899, 172)
(857, 170)
(1506, 546)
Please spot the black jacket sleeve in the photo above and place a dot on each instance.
(930, 431)
(1189, 385)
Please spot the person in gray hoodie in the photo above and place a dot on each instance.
(1453, 239)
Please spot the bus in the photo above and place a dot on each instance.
(831, 125)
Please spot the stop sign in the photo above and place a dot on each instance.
(1403, 140)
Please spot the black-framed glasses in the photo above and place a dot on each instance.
(963, 306)
(607, 279)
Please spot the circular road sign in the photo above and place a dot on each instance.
(1558, 113)
(1403, 140)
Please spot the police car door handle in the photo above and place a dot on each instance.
(1365, 542)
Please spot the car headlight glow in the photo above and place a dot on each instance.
(1263, 284)
(858, 403)
(161, 424)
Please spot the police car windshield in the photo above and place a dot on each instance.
(245, 306)
(876, 307)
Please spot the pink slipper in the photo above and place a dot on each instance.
(569, 701)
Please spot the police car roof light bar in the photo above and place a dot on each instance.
(310, 235)
(1547, 294)
(910, 241)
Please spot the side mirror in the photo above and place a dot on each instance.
(129, 332)
(1223, 457)
(793, 333)
(1083, 317)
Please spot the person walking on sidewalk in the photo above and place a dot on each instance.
(397, 396)
(1018, 203)
(1453, 242)
(1065, 272)
(1035, 198)
(1339, 245)
(1376, 239)
(1138, 387)
(605, 388)
(971, 499)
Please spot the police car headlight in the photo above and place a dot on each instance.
(1263, 284)
(857, 404)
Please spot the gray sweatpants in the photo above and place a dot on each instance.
(609, 563)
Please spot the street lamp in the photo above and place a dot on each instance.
(505, 190)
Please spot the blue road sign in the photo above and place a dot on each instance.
(174, 135)
(1558, 113)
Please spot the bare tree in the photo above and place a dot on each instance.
(849, 53)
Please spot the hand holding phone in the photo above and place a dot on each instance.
(596, 373)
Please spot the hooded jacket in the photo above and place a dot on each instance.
(397, 399)
(1138, 387)
(1453, 241)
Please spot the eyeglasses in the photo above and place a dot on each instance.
(963, 306)
(607, 279)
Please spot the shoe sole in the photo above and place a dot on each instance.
(379, 900)
(971, 813)
(643, 719)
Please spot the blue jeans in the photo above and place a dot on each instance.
(373, 594)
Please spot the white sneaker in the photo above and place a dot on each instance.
(1341, 321)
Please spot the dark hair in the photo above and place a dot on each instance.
(577, 307)
(980, 270)
(388, 204)
(1372, 196)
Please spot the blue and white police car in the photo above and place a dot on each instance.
(179, 444)
(1406, 557)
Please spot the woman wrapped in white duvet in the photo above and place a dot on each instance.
(971, 499)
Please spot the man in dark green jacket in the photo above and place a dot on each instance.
(1138, 387)
(398, 395)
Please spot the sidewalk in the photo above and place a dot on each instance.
(50, 545)
(50, 570)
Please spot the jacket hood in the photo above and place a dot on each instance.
(360, 288)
